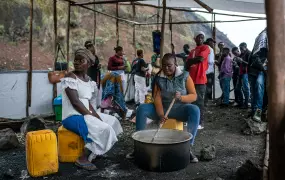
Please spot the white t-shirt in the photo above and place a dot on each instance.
(211, 61)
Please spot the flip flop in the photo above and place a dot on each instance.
(88, 165)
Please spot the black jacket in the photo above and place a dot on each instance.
(256, 62)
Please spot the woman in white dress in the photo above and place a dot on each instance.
(99, 131)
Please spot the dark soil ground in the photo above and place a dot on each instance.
(222, 129)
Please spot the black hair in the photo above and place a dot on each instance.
(139, 52)
(243, 44)
(234, 49)
(227, 49)
(186, 46)
(166, 56)
(88, 44)
(118, 48)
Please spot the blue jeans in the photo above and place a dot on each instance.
(186, 113)
(226, 81)
(243, 87)
(257, 90)
(238, 98)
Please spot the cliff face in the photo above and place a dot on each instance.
(14, 32)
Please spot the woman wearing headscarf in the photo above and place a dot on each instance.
(99, 131)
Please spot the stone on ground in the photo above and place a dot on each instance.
(33, 123)
(249, 171)
(254, 128)
(8, 139)
(9, 174)
(208, 153)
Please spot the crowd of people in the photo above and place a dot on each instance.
(191, 87)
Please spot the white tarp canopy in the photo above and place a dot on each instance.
(242, 6)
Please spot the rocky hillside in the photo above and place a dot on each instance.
(14, 32)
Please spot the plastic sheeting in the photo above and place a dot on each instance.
(13, 94)
(243, 6)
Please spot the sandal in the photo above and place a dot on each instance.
(88, 165)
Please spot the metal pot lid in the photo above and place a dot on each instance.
(164, 136)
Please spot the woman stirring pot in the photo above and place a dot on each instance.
(99, 131)
(171, 82)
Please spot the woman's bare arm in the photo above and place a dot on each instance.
(192, 95)
(76, 103)
(94, 113)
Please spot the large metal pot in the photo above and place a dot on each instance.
(170, 150)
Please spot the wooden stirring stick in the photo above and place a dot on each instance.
(166, 114)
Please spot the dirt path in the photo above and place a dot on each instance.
(222, 129)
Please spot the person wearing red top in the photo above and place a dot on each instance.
(197, 65)
(116, 64)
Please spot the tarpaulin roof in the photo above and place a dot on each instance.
(242, 6)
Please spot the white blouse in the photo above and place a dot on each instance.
(87, 91)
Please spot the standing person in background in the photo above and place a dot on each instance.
(237, 90)
(94, 69)
(197, 65)
(210, 72)
(243, 76)
(219, 60)
(257, 71)
(140, 69)
(155, 58)
(94, 72)
(218, 57)
(184, 55)
(226, 74)
(116, 64)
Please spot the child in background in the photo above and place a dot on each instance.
(226, 74)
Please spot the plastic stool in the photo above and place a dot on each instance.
(173, 124)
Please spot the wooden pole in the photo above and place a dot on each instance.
(214, 37)
(157, 15)
(107, 2)
(94, 25)
(134, 29)
(276, 95)
(199, 22)
(105, 14)
(162, 29)
(67, 36)
(266, 157)
(29, 82)
(205, 6)
(170, 26)
(187, 10)
(55, 42)
(55, 26)
(117, 24)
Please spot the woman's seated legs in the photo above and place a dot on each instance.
(145, 111)
(189, 113)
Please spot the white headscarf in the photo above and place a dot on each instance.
(199, 33)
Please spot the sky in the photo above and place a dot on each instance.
(239, 32)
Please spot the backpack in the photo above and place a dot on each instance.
(134, 66)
